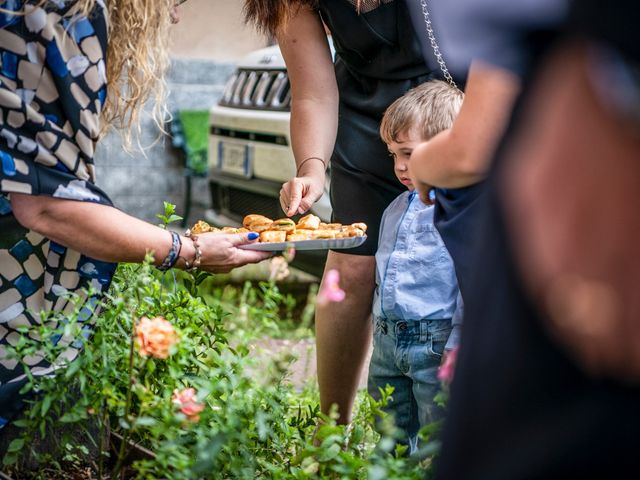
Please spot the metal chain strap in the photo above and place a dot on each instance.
(434, 45)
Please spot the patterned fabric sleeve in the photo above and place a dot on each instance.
(52, 89)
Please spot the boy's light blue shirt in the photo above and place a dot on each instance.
(415, 276)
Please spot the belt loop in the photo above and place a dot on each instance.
(381, 326)
(424, 329)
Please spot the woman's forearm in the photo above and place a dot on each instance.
(313, 131)
(108, 234)
(314, 92)
(99, 231)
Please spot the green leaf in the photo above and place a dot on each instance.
(46, 404)
(10, 459)
(16, 445)
(330, 453)
(74, 416)
(145, 422)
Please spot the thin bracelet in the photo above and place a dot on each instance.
(197, 259)
(306, 160)
(173, 255)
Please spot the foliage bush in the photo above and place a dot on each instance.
(249, 427)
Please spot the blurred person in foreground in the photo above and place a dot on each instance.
(550, 352)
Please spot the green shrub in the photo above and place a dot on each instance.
(249, 427)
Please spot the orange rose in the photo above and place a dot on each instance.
(155, 337)
(187, 402)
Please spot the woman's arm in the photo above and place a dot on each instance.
(314, 107)
(108, 234)
(460, 156)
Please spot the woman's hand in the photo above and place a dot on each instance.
(220, 252)
(300, 193)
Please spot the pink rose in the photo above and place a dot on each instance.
(330, 290)
(448, 368)
(155, 337)
(187, 402)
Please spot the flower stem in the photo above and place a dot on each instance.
(127, 407)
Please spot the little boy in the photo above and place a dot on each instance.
(417, 310)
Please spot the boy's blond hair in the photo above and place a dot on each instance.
(430, 108)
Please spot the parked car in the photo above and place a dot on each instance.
(250, 154)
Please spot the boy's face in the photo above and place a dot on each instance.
(401, 151)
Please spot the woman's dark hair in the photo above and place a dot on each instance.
(269, 16)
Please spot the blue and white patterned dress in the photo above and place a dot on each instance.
(52, 89)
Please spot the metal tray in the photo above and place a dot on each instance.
(331, 243)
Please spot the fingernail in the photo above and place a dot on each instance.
(253, 235)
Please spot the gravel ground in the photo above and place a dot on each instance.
(303, 370)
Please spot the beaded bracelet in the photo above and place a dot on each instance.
(306, 160)
(173, 255)
(192, 266)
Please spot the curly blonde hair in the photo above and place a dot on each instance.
(137, 60)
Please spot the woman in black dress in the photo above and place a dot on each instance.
(336, 111)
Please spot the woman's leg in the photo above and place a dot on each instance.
(343, 332)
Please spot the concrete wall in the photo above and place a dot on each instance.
(208, 41)
(213, 29)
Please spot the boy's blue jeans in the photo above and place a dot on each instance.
(406, 355)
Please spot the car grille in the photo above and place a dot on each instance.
(258, 90)
(237, 203)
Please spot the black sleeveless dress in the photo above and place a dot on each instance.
(378, 58)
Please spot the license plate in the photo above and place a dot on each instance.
(234, 158)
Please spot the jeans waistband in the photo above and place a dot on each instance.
(409, 327)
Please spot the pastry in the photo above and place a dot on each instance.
(257, 223)
(360, 225)
(273, 236)
(201, 227)
(350, 231)
(331, 226)
(255, 219)
(309, 222)
(300, 234)
(323, 234)
(284, 224)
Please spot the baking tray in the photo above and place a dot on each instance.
(325, 244)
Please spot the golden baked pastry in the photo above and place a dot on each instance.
(322, 234)
(360, 225)
(300, 234)
(284, 229)
(283, 224)
(350, 231)
(330, 226)
(201, 227)
(255, 219)
(308, 222)
(273, 236)
(257, 223)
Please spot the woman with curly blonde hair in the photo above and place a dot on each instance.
(336, 110)
(69, 70)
